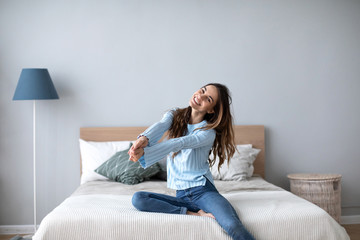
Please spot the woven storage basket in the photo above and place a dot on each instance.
(323, 190)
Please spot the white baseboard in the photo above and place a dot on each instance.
(16, 229)
(353, 219)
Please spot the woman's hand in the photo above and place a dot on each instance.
(137, 149)
(135, 154)
(141, 142)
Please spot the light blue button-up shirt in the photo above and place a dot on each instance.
(190, 167)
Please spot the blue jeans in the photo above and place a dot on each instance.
(206, 198)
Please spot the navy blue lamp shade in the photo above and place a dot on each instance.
(35, 84)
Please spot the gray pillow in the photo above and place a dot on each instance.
(119, 168)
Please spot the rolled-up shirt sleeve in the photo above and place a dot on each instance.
(158, 151)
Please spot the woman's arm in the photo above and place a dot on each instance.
(157, 130)
(150, 136)
(155, 153)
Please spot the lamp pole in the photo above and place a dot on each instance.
(34, 162)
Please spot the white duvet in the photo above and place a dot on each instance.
(103, 210)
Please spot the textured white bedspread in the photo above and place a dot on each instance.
(268, 214)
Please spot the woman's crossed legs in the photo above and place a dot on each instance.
(202, 200)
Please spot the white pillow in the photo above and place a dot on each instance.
(93, 154)
(240, 166)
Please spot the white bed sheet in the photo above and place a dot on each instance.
(103, 210)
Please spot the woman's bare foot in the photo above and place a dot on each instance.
(201, 213)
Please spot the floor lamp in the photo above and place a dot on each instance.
(35, 84)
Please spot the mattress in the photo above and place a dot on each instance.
(103, 210)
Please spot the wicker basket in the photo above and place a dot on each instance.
(323, 190)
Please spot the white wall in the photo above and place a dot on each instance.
(293, 66)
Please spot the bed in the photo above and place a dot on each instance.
(102, 209)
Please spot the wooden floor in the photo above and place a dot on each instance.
(353, 231)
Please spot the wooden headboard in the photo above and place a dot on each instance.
(244, 134)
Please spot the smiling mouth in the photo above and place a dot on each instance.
(196, 101)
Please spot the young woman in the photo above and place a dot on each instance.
(193, 132)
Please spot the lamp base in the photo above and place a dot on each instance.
(26, 237)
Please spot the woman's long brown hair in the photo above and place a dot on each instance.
(220, 121)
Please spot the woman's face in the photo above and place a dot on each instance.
(204, 100)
